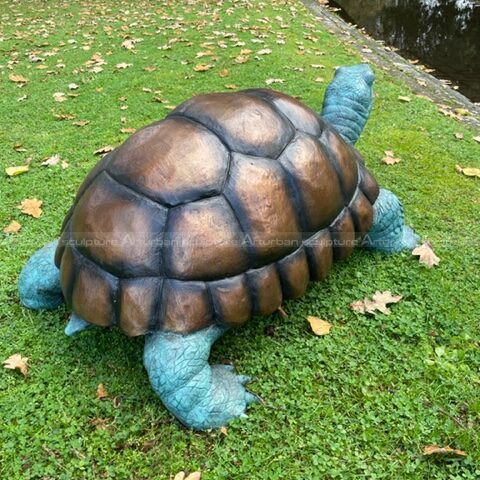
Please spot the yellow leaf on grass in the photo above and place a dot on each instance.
(17, 78)
(12, 227)
(404, 99)
(443, 451)
(101, 391)
(231, 86)
(319, 327)
(18, 362)
(224, 73)
(14, 171)
(31, 206)
(128, 130)
(427, 255)
(468, 171)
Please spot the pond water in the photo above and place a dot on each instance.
(442, 34)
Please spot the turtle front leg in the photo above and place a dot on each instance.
(39, 281)
(199, 395)
(389, 232)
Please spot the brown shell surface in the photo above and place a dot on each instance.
(231, 204)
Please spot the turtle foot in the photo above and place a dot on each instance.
(389, 232)
(199, 395)
(75, 325)
(39, 281)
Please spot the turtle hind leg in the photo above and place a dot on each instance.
(39, 281)
(199, 395)
(389, 232)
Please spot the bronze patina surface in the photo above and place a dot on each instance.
(232, 203)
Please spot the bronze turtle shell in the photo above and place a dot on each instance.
(230, 204)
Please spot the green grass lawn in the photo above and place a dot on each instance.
(361, 402)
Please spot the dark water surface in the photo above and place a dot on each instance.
(442, 34)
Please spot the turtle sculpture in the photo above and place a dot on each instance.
(220, 211)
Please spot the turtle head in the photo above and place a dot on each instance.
(361, 75)
(349, 99)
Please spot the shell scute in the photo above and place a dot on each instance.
(315, 181)
(204, 241)
(174, 161)
(119, 229)
(247, 124)
(258, 191)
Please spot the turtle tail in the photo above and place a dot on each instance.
(348, 101)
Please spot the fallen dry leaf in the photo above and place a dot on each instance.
(14, 171)
(231, 86)
(443, 451)
(224, 73)
(269, 81)
(123, 65)
(105, 149)
(477, 139)
(390, 159)
(404, 99)
(241, 59)
(80, 123)
(202, 67)
(264, 51)
(16, 361)
(128, 130)
(64, 116)
(319, 327)
(18, 147)
(17, 78)
(59, 97)
(12, 227)
(426, 254)
(459, 136)
(101, 392)
(379, 302)
(31, 206)
(468, 171)
(99, 423)
(72, 86)
(192, 476)
(51, 161)
(128, 44)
